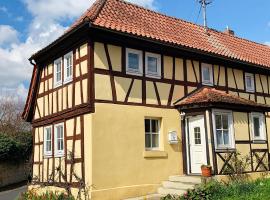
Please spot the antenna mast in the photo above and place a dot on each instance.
(204, 4)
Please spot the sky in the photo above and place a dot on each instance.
(28, 25)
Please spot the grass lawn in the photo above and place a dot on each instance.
(249, 190)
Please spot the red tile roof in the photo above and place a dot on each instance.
(121, 16)
(208, 95)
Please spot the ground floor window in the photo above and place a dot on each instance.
(54, 134)
(152, 129)
(223, 129)
(257, 126)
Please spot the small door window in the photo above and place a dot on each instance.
(197, 135)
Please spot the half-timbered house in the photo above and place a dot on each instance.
(127, 97)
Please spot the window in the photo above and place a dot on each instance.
(58, 72)
(151, 133)
(134, 62)
(68, 67)
(153, 65)
(48, 141)
(257, 126)
(223, 128)
(249, 81)
(197, 135)
(59, 140)
(207, 74)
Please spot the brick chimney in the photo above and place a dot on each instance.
(228, 31)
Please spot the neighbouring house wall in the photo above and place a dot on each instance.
(121, 166)
(11, 173)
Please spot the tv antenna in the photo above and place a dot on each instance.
(204, 4)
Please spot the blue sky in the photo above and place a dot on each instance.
(28, 25)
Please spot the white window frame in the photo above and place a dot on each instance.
(68, 79)
(151, 74)
(131, 71)
(252, 88)
(57, 83)
(150, 133)
(46, 152)
(210, 67)
(59, 153)
(262, 126)
(230, 128)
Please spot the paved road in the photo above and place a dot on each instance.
(12, 194)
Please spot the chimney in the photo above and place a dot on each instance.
(229, 31)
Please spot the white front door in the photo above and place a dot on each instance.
(197, 144)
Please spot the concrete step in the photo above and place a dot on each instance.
(177, 185)
(147, 197)
(165, 191)
(186, 179)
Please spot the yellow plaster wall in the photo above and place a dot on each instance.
(239, 78)
(100, 59)
(163, 90)
(258, 83)
(264, 83)
(231, 81)
(103, 89)
(121, 86)
(118, 150)
(151, 97)
(241, 130)
(190, 72)
(136, 92)
(168, 67)
(178, 93)
(115, 53)
(179, 69)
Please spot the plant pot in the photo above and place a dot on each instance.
(206, 171)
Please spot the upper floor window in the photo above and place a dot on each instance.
(257, 126)
(223, 129)
(152, 127)
(153, 64)
(249, 82)
(134, 62)
(58, 72)
(207, 74)
(68, 67)
(59, 139)
(48, 141)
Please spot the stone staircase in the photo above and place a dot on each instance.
(176, 185)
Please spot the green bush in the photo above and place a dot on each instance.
(14, 149)
(32, 195)
(246, 190)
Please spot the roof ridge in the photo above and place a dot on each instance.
(192, 23)
(101, 4)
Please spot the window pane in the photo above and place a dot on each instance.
(197, 135)
(154, 126)
(147, 125)
(218, 121)
(226, 138)
(133, 61)
(147, 140)
(155, 140)
(152, 64)
(248, 82)
(256, 126)
(206, 73)
(219, 137)
(225, 121)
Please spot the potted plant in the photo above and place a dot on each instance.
(206, 170)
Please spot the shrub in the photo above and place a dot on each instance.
(14, 149)
(33, 195)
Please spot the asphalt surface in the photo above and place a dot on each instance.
(13, 193)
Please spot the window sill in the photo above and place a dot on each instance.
(155, 154)
(135, 73)
(259, 141)
(229, 149)
(153, 76)
(207, 83)
(67, 81)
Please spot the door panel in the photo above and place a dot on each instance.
(197, 144)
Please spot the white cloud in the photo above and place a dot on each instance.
(267, 43)
(145, 3)
(8, 35)
(45, 27)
